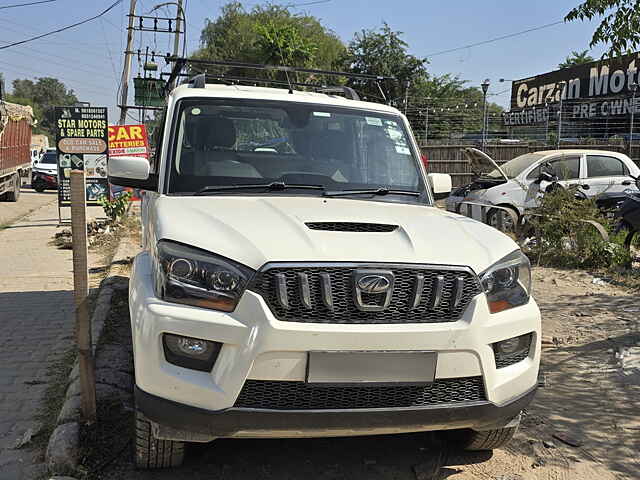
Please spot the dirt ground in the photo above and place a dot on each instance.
(584, 422)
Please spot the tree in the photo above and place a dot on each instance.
(43, 95)
(384, 53)
(269, 34)
(619, 27)
(576, 58)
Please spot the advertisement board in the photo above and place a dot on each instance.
(81, 141)
(131, 141)
(600, 89)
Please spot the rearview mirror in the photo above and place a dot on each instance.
(440, 184)
(131, 172)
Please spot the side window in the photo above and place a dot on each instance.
(534, 174)
(603, 166)
(566, 168)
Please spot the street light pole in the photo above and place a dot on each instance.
(546, 128)
(634, 88)
(485, 87)
(562, 85)
(426, 125)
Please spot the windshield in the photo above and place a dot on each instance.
(49, 158)
(515, 167)
(237, 142)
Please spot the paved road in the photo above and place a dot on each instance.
(29, 200)
(36, 317)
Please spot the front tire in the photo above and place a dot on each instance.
(507, 220)
(487, 439)
(153, 453)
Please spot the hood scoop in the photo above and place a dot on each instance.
(351, 227)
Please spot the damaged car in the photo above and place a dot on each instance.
(518, 184)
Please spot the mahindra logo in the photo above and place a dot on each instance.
(373, 282)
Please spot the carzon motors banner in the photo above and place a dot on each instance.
(596, 89)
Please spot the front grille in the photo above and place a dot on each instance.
(285, 395)
(330, 297)
(351, 227)
(504, 360)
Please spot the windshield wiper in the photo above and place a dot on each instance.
(273, 186)
(371, 191)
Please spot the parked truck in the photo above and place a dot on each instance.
(15, 152)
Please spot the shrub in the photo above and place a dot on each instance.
(114, 209)
(564, 239)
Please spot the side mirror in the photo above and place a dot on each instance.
(440, 184)
(131, 172)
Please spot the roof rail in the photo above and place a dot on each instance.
(200, 80)
(348, 92)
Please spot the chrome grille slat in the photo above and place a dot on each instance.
(438, 287)
(305, 294)
(421, 294)
(325, 287)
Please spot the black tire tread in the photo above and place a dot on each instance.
(153, 453)
(489, 439)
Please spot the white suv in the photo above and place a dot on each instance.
(298, 281)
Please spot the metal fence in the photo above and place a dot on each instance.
(450, 159)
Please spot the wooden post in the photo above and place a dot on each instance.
(81, 289)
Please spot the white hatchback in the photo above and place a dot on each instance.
(517, 184)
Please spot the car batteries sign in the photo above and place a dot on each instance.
(131, 141)
(81, 141)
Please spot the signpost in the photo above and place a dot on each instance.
(81, 141)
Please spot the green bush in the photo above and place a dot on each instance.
(114, 209)
(564, 239)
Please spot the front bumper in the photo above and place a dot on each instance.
(257, 346)
(175, 421)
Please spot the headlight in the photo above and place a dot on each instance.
(508, 282)
(194, 277)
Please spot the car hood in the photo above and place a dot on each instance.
(255, 230)
(481, 163)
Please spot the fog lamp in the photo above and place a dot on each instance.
(512, 350)
(188, 352)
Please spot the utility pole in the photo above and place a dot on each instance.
(485, 87)
(124, 83)
(562, 85)
(406, 95)
(634, 89)
(176, 40)
(426, 126)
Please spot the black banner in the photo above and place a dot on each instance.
(81, 141)
(603, 88)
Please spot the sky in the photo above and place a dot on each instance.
(89, 58)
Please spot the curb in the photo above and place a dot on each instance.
(63, 450)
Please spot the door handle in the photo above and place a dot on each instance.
(626, 182)
(586, 186)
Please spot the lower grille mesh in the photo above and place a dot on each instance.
(286, 395)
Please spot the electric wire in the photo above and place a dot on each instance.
(26, 4)
(62, 29)
(503, 37)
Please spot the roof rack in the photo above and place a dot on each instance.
(200, 80)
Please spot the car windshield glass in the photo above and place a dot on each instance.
(49, 158)
(238, 142)
(515, 167)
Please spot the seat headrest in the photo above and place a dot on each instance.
(216, 132)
